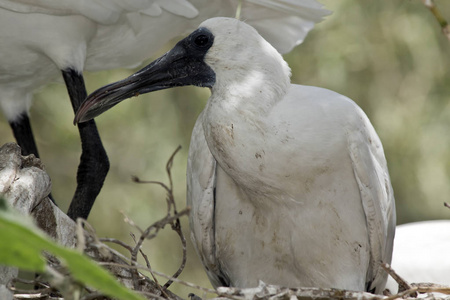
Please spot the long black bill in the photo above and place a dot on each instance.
(183, 65)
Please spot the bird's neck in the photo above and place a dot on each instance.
(236, 123)
(248, 94)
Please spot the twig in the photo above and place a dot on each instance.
(446, 205)
(408, 292)
(425, 287)
(147, 262)
(140, 267)
(169, 189)
(177, 229)
(30, 296)
(267, 291)
(133, 251)
(131, 222)
(174, 222)
(138, 180)
(154, 295)
(177, 226)
(147, 234)
(169, 166)
(118, 242)
(437, 14)
(135, 273)
(403, 285)
(43, 291)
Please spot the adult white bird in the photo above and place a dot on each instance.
(421, 253)
(287, 184)
(42, 38)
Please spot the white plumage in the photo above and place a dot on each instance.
(288, 184)
(42, 38)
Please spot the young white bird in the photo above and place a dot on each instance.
(288, 184)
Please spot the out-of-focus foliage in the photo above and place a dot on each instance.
(388, 56)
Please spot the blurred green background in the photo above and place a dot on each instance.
(388, 56)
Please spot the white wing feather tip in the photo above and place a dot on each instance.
(377, 198)
(179, 7)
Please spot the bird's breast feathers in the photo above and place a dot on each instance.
(301, 134)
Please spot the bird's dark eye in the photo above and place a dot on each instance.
(201, 40)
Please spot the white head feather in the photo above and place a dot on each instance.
(244, 61)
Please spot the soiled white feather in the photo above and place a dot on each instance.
(288, 184)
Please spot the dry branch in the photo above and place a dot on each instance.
(403, 285)
(437, 14)
(172, 217)
(425, 287)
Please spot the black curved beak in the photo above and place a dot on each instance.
(183, 65)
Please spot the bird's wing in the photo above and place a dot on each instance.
(94, 10)
(201, 180)
(371, 173)
(283, 23)
(105, 12)
(177, 7)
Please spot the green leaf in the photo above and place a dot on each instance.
(22, 244)
(86, 271)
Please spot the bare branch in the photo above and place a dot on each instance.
(169, 219)
(177, 228)
(118, 242)
(408, 292)
(143, 268)
(147, 262)
(403, 285)
(169, 166)
(425, 287)
(34, 284)
(437, 14)
(131, 222)
(138, 180)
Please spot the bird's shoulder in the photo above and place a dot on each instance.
(314, 111)
(321, 100)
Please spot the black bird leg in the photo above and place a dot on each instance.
(23, 133)
(94, 163)
(21, 128)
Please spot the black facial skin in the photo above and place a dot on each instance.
(183, 65)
